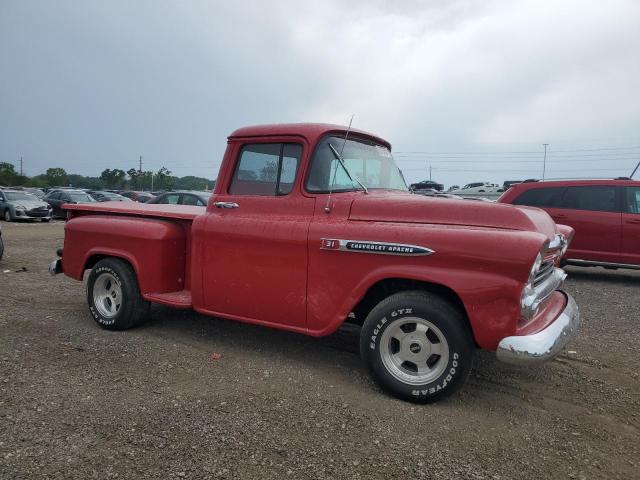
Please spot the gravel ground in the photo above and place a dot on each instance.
(80, 402)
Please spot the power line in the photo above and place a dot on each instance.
(417, 152)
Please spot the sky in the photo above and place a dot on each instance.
(467, 90)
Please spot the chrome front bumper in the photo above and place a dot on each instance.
(542, 346)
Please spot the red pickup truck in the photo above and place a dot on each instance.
(312, 225)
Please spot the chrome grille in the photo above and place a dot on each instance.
(544, 272)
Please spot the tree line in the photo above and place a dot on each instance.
(113, 179)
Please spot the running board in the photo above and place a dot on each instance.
(591, 263)
(179, 299)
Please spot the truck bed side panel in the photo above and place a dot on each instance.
(157, 249)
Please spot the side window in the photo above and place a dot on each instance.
(171, 199)
(540, 197)
(65, 197)
(594, 198)
(1, 197)
(632, 199)
(266, 169)
(190, 200)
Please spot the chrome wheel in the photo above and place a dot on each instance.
(414, 350)
(107, 295)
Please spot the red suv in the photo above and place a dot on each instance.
(605, 215)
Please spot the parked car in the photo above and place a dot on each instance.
(509, 183)
(477, 187)
(105, 196)
(140, 197)
(427, 184)
(33, 191)
(295, 239)
(60, 197)
(430, 192)
(20, 205)
(183, 197)
(605, 215)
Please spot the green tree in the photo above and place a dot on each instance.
(163, 179)
(80, 181)
(193, 183)
(57, 176)
(133, 178)
(8, 175)
(113, 178)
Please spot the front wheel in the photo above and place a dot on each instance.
(417, 346)
(7, 215)
(114, 297)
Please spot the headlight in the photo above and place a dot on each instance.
(20, 207)
(528, 304)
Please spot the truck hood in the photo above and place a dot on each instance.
(408, 208)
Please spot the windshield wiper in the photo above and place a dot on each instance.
(351, 177)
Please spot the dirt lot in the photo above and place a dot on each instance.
(80, 402)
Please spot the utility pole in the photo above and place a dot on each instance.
(429, 172)
(20, 166)
(140, 174)
(544, 162)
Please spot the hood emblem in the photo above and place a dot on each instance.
(380, 248)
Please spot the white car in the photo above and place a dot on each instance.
(477, 187)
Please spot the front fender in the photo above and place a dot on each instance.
(485, 268)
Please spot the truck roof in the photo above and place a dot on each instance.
(311, 131)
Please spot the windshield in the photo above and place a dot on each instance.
(20, 196)
(367, 161)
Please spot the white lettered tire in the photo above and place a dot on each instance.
(417, 346)
(113, 295)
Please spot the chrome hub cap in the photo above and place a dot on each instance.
(107, 295)
(414, 351)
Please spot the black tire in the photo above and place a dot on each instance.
(46, 220)
(1, 247)
(439, 327)
(127, 306)
(6, 215)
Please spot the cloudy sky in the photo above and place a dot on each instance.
(471, 88)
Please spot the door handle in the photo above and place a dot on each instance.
(226, 204)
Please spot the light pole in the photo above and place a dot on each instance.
(544, 162)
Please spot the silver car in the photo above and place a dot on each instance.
(19, 205)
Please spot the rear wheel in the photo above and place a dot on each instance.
(114, 297)
(417, 346)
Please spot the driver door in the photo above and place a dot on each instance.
(255, 248)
